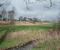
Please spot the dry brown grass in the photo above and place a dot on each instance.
(23, 23)
(23, 36)
(30, 23)
(4, 22)
(29, 35)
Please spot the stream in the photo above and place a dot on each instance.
(27, 46)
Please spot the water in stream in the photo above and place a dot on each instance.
(27, 46)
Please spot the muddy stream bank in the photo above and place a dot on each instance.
(27, 46)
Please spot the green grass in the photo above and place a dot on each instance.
(11, 42)
(22, 27)
(12, 28)
(51, 44)
(8, 43)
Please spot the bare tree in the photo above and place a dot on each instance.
(26, 3)
(0, 17)
(11, 15)
(35, 20)
(19, 19)
(56, 25)
(3, 13)
(2, 2)
(1, 5)
(50, 3)
(4, 5)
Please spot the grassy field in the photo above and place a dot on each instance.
(13, 28)
(24, 33)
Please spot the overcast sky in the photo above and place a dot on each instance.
(37, 9)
